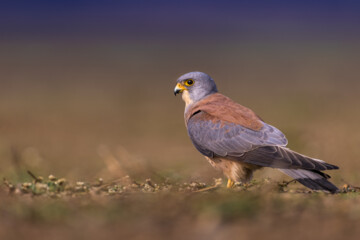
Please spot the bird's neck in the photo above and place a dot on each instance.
(191, 100)
(190, 103)
(186, 98)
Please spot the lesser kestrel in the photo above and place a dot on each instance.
(238, 142)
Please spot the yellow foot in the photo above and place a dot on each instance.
(230, 183)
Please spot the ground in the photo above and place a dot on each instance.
(58, 209)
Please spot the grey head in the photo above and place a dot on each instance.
(195, 86)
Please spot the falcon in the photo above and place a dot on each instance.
(237, 141)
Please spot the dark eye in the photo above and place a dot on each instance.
(189, 82)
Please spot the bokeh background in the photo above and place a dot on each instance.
(82, 82)
(86, 91)
(86, 84)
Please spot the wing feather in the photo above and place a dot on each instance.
(264, 147)
(212, 136)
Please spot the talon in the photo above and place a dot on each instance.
(230, 183)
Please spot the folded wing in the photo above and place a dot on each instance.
(215, 137)
(265, 147)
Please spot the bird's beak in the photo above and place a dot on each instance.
(179, 89)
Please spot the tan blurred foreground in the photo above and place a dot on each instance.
(57, 209)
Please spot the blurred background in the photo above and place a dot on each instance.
(87, 86)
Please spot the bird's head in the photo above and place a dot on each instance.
(194, 86)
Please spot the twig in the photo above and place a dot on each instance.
(207, 188)
(148, 181)
(285, 184)
(111, 183)
(33, 176)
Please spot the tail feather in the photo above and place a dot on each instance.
(281, 157)
(314, 180)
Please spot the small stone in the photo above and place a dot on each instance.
(61, 181)
(52, 178)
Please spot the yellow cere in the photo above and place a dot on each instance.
(181, 87)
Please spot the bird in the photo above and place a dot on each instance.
(237, 141)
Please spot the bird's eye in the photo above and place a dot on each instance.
(189, 82)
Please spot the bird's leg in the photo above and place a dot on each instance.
(230, 183)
